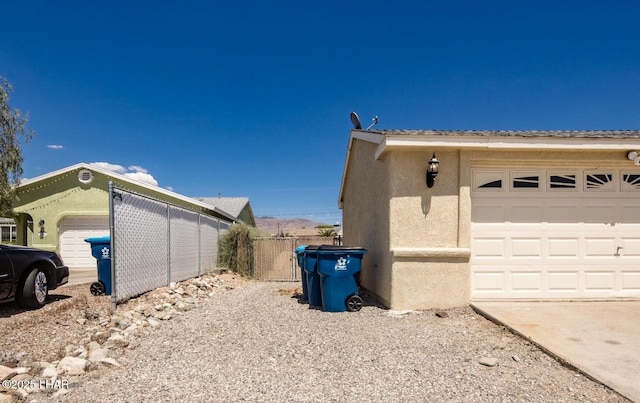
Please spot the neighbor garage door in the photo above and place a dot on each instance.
(563, 233)
(75, 252)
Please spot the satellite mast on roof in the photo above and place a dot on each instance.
(356, 121)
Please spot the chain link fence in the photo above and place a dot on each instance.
(274, 259)
(154, 243)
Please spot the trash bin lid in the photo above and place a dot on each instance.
(337, 248)
(99, 239)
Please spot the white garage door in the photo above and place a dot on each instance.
(75, 252)
(564, 233)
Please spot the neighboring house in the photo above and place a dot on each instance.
(511, 215)
(237, 206)
(59, 210)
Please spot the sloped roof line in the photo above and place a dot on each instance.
(614, 134)
(120, 177)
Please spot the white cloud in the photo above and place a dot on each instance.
(142, 177)
(169, 188)
(119, 169)
(136, 168)
(134, 172)
(55, 147)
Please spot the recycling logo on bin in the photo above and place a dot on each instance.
(105, 253)
(341, 264)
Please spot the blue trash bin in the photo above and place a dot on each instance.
(337, 267)
(101, 250)
(313, 278)
(303, 275)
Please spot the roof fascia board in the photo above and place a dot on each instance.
(504, 143)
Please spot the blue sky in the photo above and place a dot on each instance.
(252, 98)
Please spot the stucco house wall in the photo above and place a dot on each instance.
(366, 205)
(419, 238)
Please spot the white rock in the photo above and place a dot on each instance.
(153, 322)
(99, 355)
(50, 372)
(118, 340)
(72, 365)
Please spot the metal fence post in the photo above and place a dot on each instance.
(114, 297)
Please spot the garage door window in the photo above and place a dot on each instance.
(630, 182)
(599, 181)
(562, 181)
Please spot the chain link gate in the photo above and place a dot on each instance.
(154, 243)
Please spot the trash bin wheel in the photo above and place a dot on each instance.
(97, 288)
(354, 303)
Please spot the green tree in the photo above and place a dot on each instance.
(326, 230)
(12, 130)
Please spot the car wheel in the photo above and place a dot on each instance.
(34, 290)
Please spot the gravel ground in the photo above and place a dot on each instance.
(257, 342)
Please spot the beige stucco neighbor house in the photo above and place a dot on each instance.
(510, 215)
(59, 210)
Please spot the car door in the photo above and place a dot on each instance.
(6, 275)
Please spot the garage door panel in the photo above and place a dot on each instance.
(630, 247)
(526, 281)
(630, 280)
(491, 247)
(598, 247)
(630, 213)
(75, 252)
(564, 281)
(575, 242)
(598, 281)
(563, 247)
(526, 247)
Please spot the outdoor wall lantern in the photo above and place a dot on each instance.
(432, 170)
(42, 234)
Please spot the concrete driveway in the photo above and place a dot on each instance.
(600, 339)
(82, 276)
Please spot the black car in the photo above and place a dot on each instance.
(27, 275)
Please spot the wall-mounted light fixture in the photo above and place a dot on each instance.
(634, 156)
(432, 170)
(42, 234)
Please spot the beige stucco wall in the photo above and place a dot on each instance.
(430, 264)
(419, 238)
(365, 216)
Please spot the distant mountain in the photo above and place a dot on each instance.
(285, 225)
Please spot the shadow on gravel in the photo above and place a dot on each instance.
(9, 309)
(368, 299)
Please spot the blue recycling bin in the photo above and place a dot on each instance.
(303, 275)
(314, 295)
(337, 267)
(101, 250)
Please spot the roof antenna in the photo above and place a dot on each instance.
(375, 122)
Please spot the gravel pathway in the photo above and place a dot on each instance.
(258, 343)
